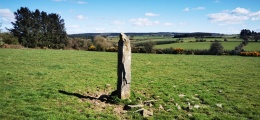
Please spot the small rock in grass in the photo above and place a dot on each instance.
(108, 85)
(190, 115)
(219, 105)
(178, 106)
(127, 107)
(196, 106)
(161, 107)
(181, 95)
(189, 106)
(145, 112)
(150, 105)
(195, 98)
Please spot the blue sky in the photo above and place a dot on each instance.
(91, 16)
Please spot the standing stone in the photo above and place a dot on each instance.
(124, 67)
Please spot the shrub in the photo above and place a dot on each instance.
(178, 50)
(78, 43)
(148, 46)
(9, 38)
(255, 53)
(92, 48)
(168, 50)
(225, 39)
(12, 46)
(111, 49)
(137, 50)
(101, 43)
(216, 48)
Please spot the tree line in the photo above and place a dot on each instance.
(248, 34)
(39, 29)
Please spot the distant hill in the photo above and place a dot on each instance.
(149, 34)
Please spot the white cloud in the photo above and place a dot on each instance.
(227, 18)
(255, 16)
(151, 14)
(239, 10)
(199, 8)
(117, 22)
(186, 9)
(81, 17)
(144, 22)
(236, 16)
(6, 15)
(168, 24)
(82, 2)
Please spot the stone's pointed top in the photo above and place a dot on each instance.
(122, 34)
(123, 37)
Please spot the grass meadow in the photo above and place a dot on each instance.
(198, 45)
(252, 46)
(185, 86)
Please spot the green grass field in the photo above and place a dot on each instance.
(216, 87)
(252, 46)
(198, 45)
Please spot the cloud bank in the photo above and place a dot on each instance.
(236, 16)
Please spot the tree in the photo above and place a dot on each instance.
(100, 43)
(245, 33)
(148, 46)
(39, 29)
(56, 31)
(216, 48)
(22, 26)
(256, 36)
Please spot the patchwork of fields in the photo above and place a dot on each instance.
(190, 42)
(185, 86)
(198, 45)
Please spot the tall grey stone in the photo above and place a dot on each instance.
(124, 67)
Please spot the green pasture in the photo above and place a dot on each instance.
(252, 46)
(186, 39)
(198, 45)
(215, 87)
(223, 38)
(138, 39)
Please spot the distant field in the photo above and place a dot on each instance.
(198, 45)
(216, 87)
(138, 39)
(252, 46)
(230, 39)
